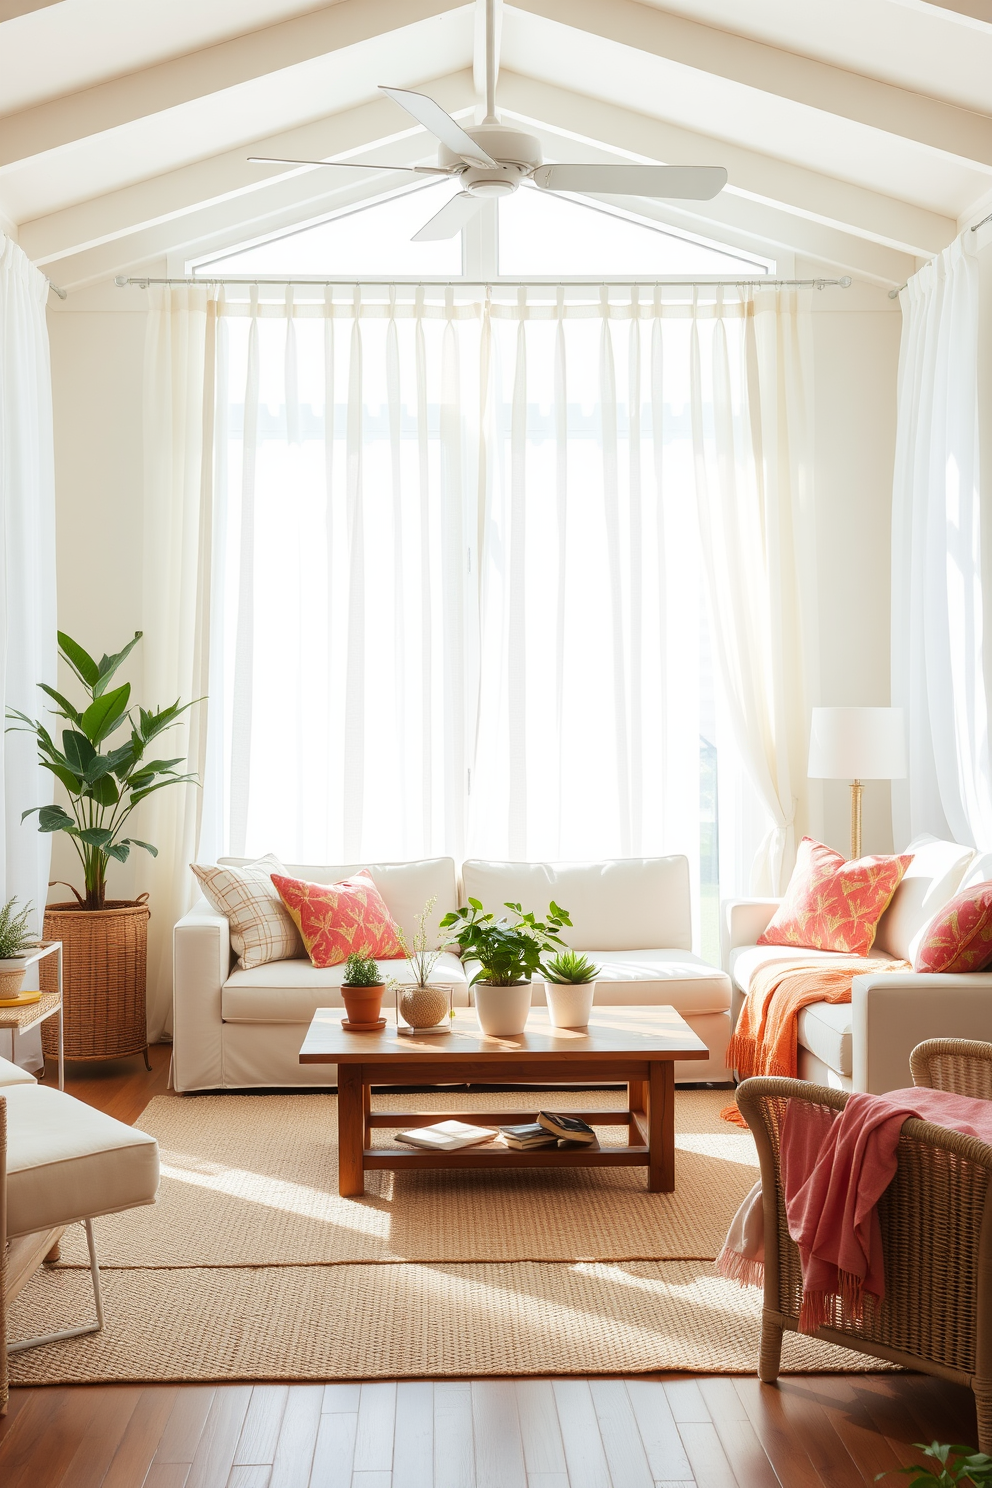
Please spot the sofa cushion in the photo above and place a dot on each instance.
(339, 919)
(675, 979)
(292, 991)
(620, 905)
(833, 905)
(67, 1161)
(406, 887)
(825, 1030)
(12, 1074)
(745, 960)
(932, 878)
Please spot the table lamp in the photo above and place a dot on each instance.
(857, 744)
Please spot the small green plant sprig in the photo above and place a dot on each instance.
(15, 937)
(361, 970)
(958, 1464)
(571, 967)
(421, 956)
(507, 953)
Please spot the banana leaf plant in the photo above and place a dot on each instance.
(104, 783)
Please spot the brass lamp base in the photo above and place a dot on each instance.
(856, 818)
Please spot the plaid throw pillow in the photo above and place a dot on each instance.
(261, 928)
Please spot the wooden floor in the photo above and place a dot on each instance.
(656, 1432)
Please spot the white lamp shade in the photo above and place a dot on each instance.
(857, 744)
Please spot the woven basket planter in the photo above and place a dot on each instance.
(104, 954)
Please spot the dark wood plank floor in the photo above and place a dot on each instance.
(666, 1431)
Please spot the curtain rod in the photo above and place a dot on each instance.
(57, 289)
(895, 293)
(122, 282)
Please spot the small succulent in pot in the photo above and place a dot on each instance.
(15, 939)
(361, 989)
(570, 984)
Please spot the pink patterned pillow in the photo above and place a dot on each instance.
(959, 937)
(336, 919)
(833, 905)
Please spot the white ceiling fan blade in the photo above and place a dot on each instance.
(452, 217)
(432, 116)
(429, 170)
(691, 182)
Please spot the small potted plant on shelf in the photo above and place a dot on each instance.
(508, 956)
(420, 1003)
(362, 990)
(15, 939)
(570, 984)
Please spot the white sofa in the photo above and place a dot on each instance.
(236, 1029)
(865, 1044)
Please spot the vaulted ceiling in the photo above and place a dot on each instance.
(857, 134)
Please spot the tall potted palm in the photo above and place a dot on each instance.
(104, 941)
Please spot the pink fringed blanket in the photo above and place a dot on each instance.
(834, 1171)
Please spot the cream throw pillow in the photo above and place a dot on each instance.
(261, 927)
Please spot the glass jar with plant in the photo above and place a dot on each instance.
(104, 940)
(15, 939)
(508, 954)
(362, 989)
(570, 985)
(419, 1003)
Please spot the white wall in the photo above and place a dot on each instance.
(856, 350)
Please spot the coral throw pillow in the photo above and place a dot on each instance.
(336, 919)
(959, 937)
(833, 905)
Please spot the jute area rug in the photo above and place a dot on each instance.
(250, 1265)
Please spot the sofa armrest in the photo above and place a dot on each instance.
(741, 922)
(892, 1013)
(202, 964)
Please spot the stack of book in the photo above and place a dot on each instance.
(551, 1129)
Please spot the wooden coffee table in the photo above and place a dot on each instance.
(634, 1045)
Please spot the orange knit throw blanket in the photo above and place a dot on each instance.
(765, 1041)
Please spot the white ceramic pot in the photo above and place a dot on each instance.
(502, 1011)
(570, 1003)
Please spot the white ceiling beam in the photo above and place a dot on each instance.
(228, 177)
(806, 193)
(939, 126)
(211, 71)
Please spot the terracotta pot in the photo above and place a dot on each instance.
(104, 954)
(363, 1004)
(502, 1011)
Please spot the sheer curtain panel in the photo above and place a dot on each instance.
(180, 369)
(938, 667)
(27, 510)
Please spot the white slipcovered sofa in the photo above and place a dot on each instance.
(235, 1029)
(866, 1044)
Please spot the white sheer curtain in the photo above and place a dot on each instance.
(938, 671)
(459, 592)
(180, 397)
(27, 535)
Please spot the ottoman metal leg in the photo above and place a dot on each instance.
(27, 1343)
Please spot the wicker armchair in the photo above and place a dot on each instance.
(936, 1234)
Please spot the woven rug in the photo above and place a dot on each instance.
(251, 1266)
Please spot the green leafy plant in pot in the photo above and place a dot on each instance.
(570, 985)
(104, 940)
(15, 939)
(362, 990)
(508, 954)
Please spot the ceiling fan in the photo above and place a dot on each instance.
(491, 160)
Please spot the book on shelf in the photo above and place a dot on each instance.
(446, 1136)
(568, 1128)
(523, 1138)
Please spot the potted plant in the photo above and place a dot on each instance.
(570, 983)
(508, 956)
(15, 939)
(362, 990)
(421, 1004)
(951, 1465)
(104, 940)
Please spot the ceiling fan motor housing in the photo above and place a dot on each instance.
(518, 154)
